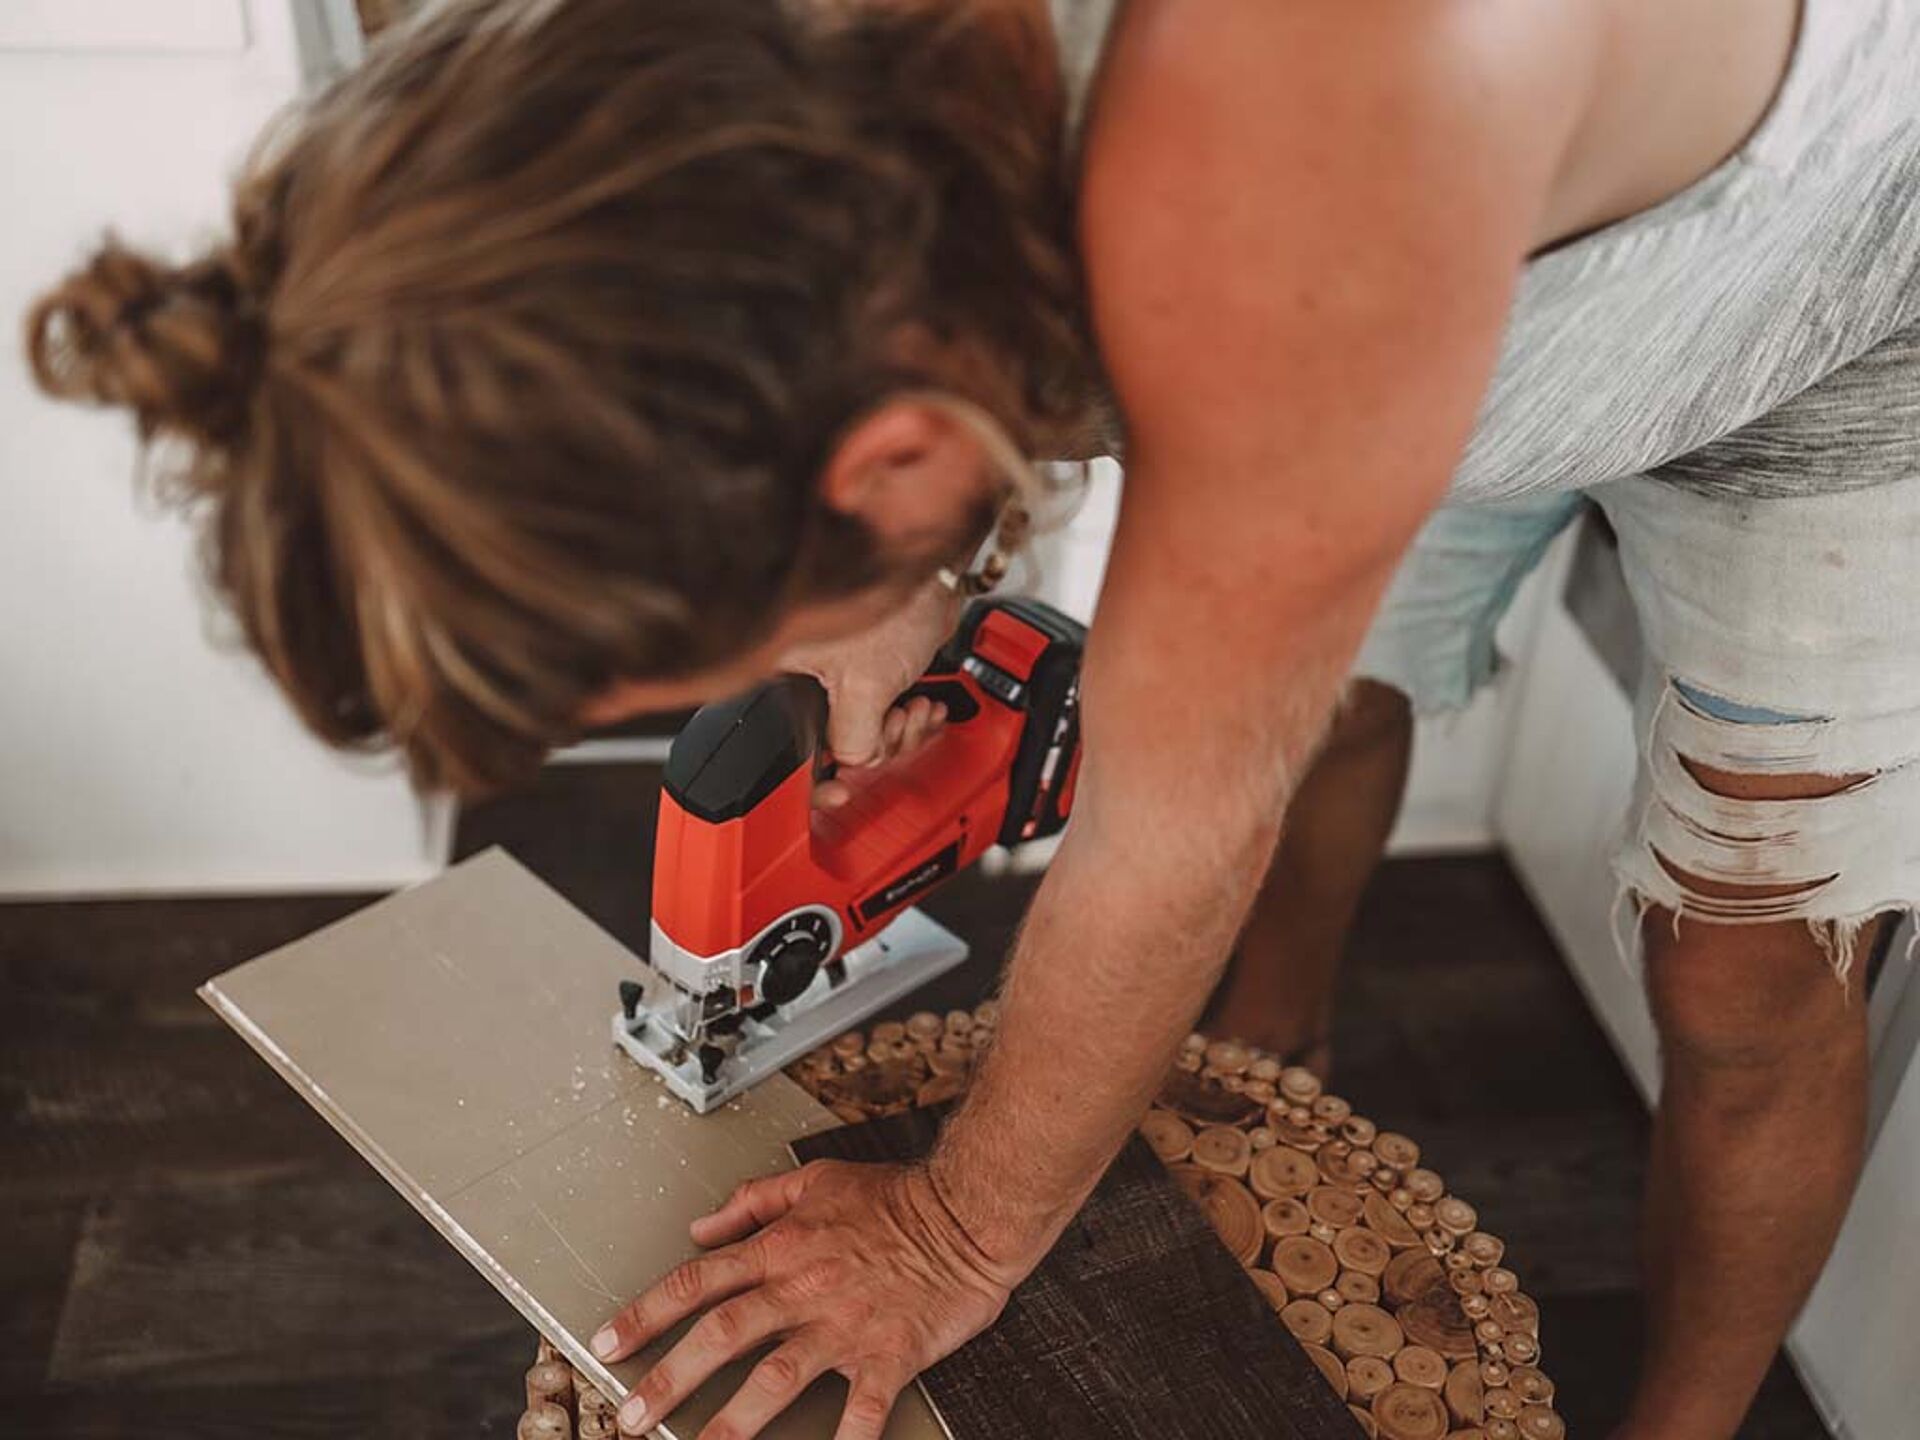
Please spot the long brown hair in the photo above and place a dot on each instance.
(517, 372)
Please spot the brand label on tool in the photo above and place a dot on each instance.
(922, 877)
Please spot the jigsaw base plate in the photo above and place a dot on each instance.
(908, 953)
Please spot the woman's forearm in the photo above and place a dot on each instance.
(1122, 945)
(1108, 976)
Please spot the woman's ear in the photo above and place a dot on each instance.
(912, 472)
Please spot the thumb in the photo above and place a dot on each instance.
(856, 721)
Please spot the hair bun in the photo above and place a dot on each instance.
(178, 345)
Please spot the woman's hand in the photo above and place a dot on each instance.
(860, 1269)
(863, 676)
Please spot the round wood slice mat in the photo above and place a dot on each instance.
(1412, 1312)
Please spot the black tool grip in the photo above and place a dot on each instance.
(734, 753)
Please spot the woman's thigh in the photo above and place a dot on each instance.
(1779, 719)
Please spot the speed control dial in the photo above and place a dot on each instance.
(792, 952)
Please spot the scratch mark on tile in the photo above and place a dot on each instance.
(578, 1259)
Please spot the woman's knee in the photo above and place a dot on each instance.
(1730, 999)
(1372, 717)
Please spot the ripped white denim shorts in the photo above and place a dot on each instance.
(1782, 635)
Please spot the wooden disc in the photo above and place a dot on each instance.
(1501, 1281)
(1359, 1131)
(1235, 1216)
(1198, 1100)
(1417, 1365)
(1299, 1085)
(1420, 1215)
(1331, 1298)
(1307, 1266)
(1330, 1367)
(1408, 1412)
(1474, 1307)
(1189, 1177)
(1454, 1215)
(1494, 1373)
(1333, 1206)
(1388, 1223)
(1436, 1321)
(1464, 1282)
(1364, 1418)
(1516, 1311)
(1366, 1330)
(1229, 1057)
(597, 1427)
(1331, 1110)
(1282, 1171)
(1261, 1138)
(1169, 1135)
(1285, 1217)
(1464, 1394)
(550, 1382)
(1347, 1169)
(925, 1025)
(1531, 1385)
(1356, 1287)
(1483, 1249)
(1223, 1150)
(1498, 1429)
(1520, 1347)
(1503, 1403)
(1409, 1275)
(1271, 1287)
(1396, 1150)
(939, 1090)
(949, 1061)
(1299, 1135)
(545, 1422)
(1537, 1422)
(1308, 1320)
(1367, 1376)
(1426, 1186)
(1362, 1250)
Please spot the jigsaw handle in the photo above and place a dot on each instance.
(1013, 658)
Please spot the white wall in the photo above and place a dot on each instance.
(134, 754)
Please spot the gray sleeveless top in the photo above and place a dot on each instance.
(1655, 336)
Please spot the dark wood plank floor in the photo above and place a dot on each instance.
(187, 1250)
